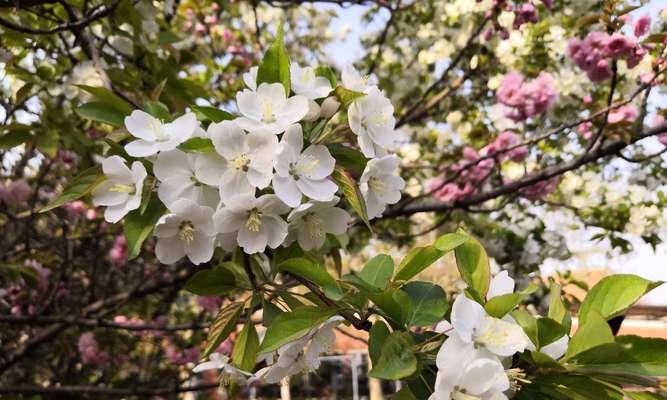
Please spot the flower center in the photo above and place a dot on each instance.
(267, 112)
(241, 162)
(186, 231)
(122, 188)
(377, 185)
(459, 394)
(158, 131)
(254, 221)
(314, 225)
(305, 166)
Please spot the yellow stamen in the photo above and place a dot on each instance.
(314, 225)
(241, 162)
(254, 221)
(121, 188)
(267, 112)
(186, 231)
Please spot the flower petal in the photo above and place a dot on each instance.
(287, 190)
(169, 249)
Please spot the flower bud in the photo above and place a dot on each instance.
(329, 107)
(313, 111)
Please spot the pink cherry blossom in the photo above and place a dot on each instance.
(642, 25)
(89, 350)
(540, 189)
(118, 253)
(527, 98)
(626, 113)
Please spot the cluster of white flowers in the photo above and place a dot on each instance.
(471, 362)
(264, 184)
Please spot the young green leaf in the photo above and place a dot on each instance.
(138, 227)
(351, 193)
(197, 145)
(557, 309)
(80, 186)
(223, 324)
(327, 72)
(498, 306)
(245, 347)
(594, 332)
(290, 326)
(346, 96)
(378, 271)
(213, 114)
(315, 273)
(473, 265)
(211, 282)
(417, 260)
(109, 98)
(274, 67)
(614, 294)
(101, 112)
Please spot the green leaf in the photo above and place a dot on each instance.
(428, 301)
(214, 114)
(80, 186)
(269, 312)
(404, 394)
(376, 338)
(397, 359)
(211, 282)
(593, 333)
(351, 159)
(138, 227)
(351, 193)
(223, 324)
(14, 138)
(395, 303)
(450, 241)
(346, 96)
(632, 355)
(643, 396)
(614, 294)
(158, 110)
(327, 72)
(549, 331)
(106, 96)
(274, 67)
(473, 265)
(245, 347)
(99, 111)
(557, 309)
(290, 326)
(528, 323)
(378, 271)
(568, 387)
(498, 306)
(315, 273)
(417, 260)
(197, 145)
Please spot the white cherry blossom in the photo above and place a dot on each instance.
(380, 184)
(257, 221)
(154, 136)
(194, 176)
(307, 84)
(474, 326)
(187, 231)
(501, 284)
(302, 354)
(249, 158)
(557, 348)
(268, 109)
(301, 171)
(371, 118)
(121, 191)
(221, 362)
(353, 80)
(310, 222)
(468, 373)
(250, 78)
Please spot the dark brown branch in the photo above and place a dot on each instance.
(70, 26)
(610, 149)
(98, 323)
(102, 390)
(361, 324)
